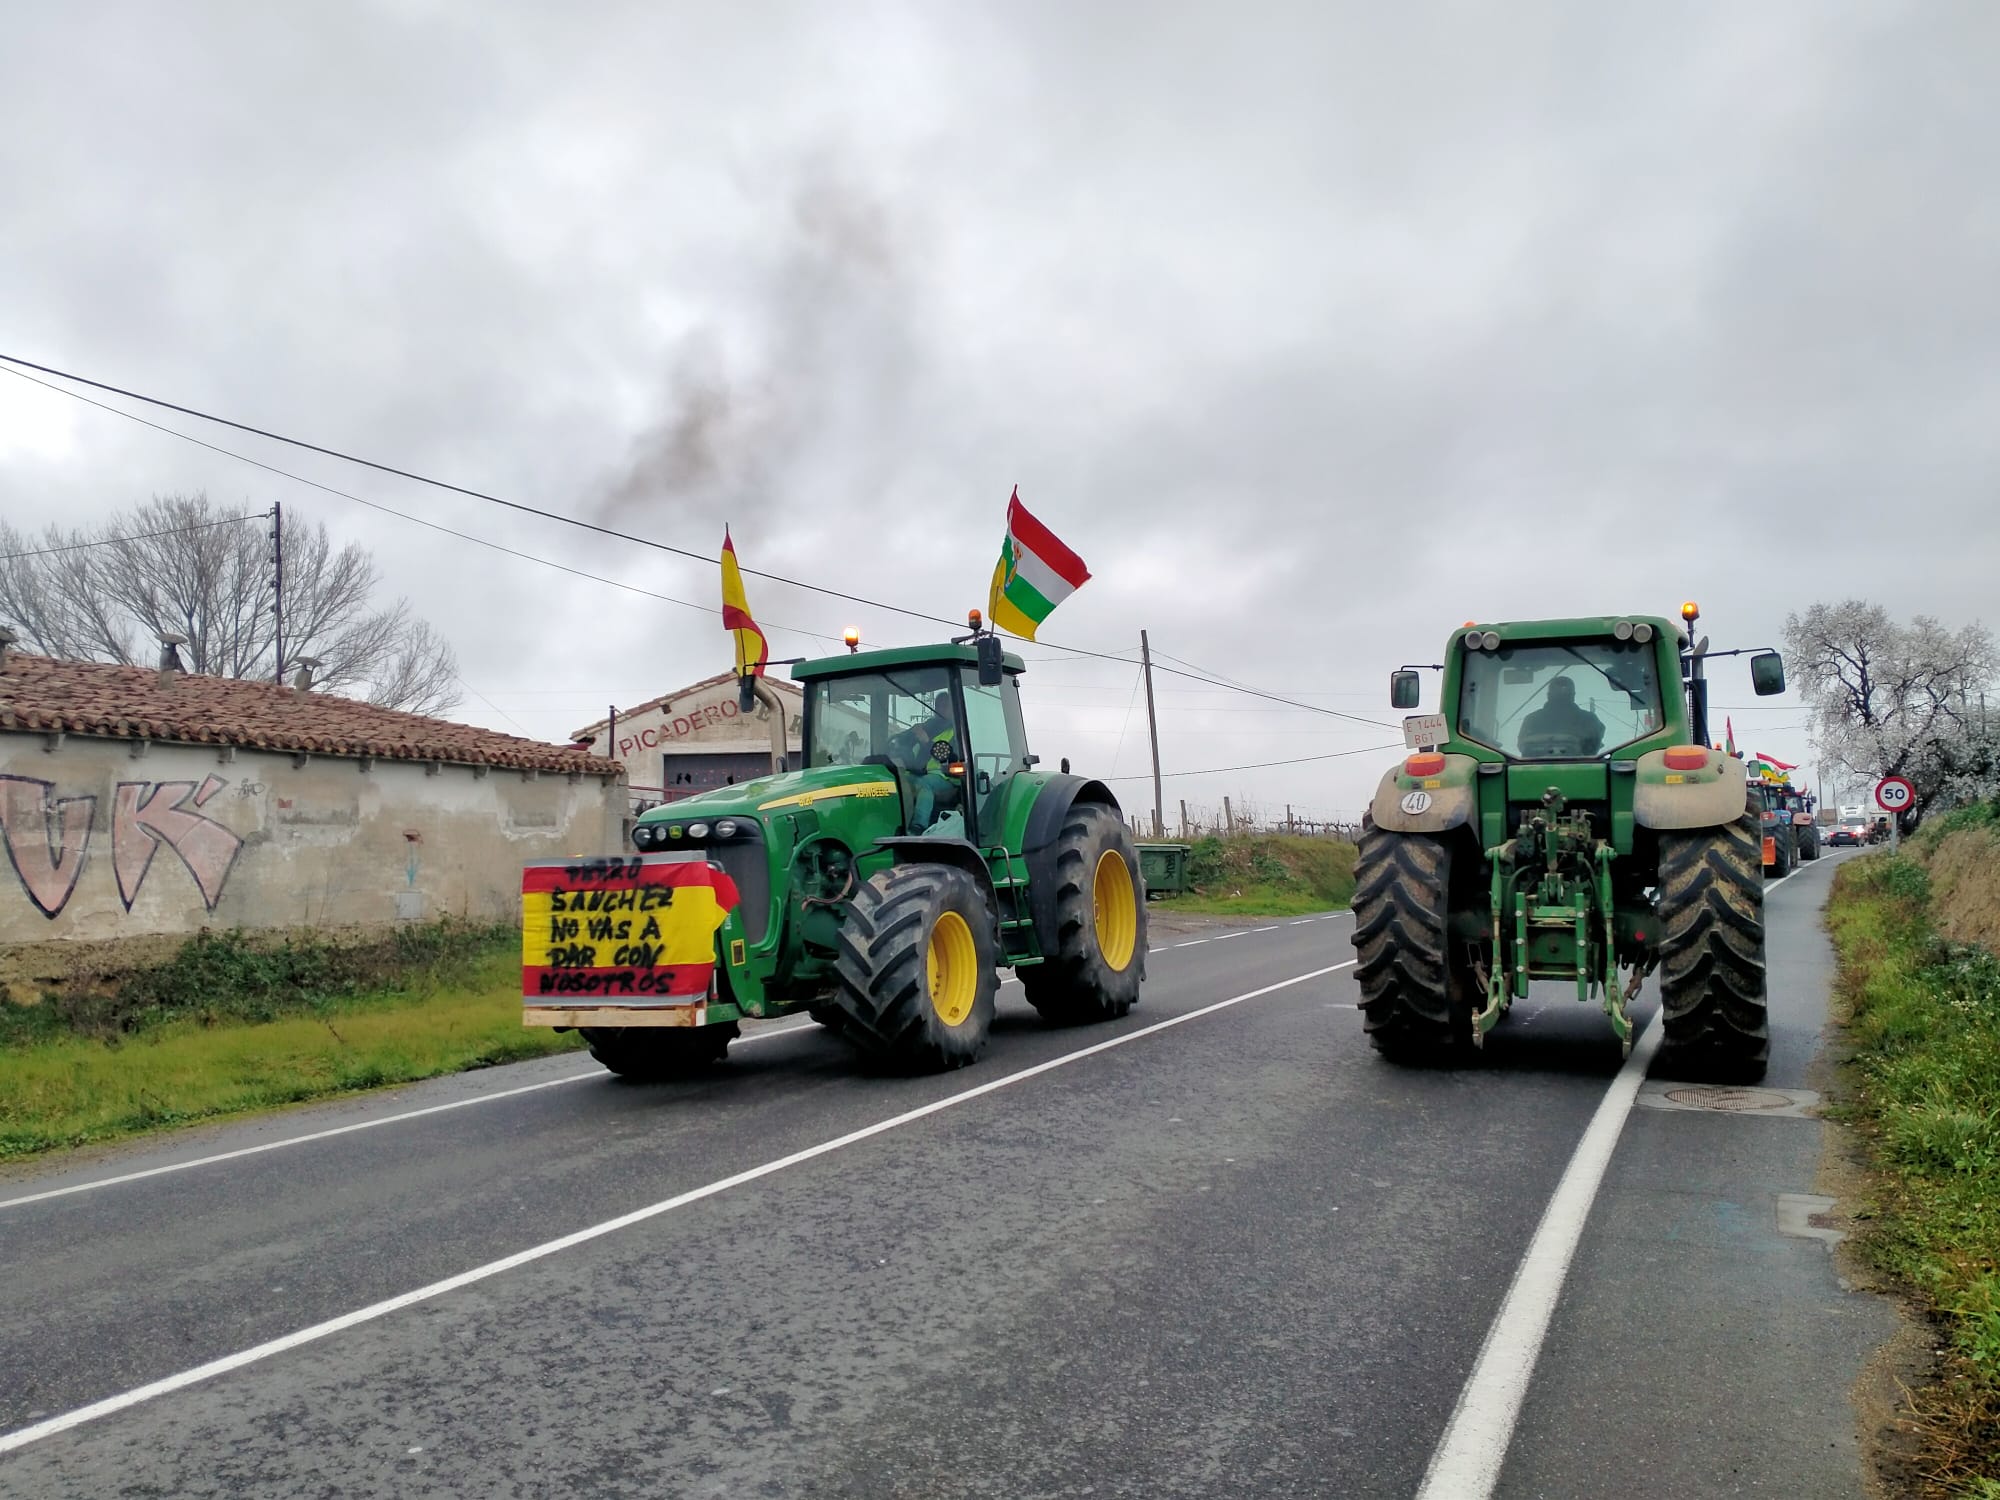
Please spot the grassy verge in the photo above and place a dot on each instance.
(230, 1026)
(1265, 875)
(1923, 1014)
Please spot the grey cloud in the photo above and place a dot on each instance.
(1316, 329)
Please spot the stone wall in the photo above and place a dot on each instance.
(109, 839)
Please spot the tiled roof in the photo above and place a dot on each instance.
(598, 726)
(41, 694)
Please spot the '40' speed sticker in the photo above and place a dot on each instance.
(1416, 802)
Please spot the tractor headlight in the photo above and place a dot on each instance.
(1642, 633)
(726, 829)
(1490, 640)
(697, 830)
(642, 836)
(1622, 631)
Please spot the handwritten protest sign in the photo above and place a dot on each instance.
(621, 931)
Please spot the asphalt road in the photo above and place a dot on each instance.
(1233, 1255)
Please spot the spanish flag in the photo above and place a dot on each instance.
(753, 652)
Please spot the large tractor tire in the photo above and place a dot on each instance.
(649, 1054)
(1099, 956)
(1783, 852)
(1711, 905)
(1417, 1003)
(916, 968)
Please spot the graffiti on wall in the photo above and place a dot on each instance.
(47, 837)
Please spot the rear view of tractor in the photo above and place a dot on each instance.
(1564, 818)
(880, 886)
(1787, 826)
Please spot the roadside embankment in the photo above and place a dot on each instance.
(1920, 989)
(1265, 875)
(229, 1023)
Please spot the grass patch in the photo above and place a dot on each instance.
(1923, 1013)
(230, 1025)
(1265, 875)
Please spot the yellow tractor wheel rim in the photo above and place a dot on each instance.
(953, 967)
(1117, 907)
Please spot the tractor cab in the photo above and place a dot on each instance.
(951, 740)
(1561, 700)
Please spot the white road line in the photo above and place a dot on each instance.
(1272, 928)
(1223, 937)
(321, 1135)
(1467, 1462)
(22, 1437)
(413, 1114)
(1195, 943)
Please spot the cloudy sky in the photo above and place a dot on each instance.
(1316, 329)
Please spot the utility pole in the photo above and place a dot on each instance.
(1153, 732)
(278, 592)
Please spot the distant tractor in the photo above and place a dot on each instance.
(1787, 826)
(880, 887)
(1561, 818)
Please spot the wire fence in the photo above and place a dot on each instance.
(1245, 816)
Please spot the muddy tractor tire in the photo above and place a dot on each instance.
(1417, 1003)
(916, 980)
(651, 1054)
(1711, 912)
(1093, 969)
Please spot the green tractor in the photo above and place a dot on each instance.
(1562, 818)
(884, 882)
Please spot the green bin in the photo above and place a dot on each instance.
(1164, 868)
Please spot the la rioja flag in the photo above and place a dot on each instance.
(1036, 573)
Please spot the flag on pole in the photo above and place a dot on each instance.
(1773, 760)
(1036, 573)
(1730, 725)
(752, 650)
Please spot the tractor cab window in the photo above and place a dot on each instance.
(998, 747)
(1572, 700)
(895, 716)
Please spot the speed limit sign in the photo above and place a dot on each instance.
(1894, 794)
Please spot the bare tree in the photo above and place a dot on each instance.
(1889, 699)
(178, 565)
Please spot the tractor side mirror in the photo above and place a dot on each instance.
(1767, 673)
(1403, 690)
(989, 661)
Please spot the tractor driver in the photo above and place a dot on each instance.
(928, 751)
(1559, 723)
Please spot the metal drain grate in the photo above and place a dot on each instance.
(1730, 1100)
(1724, 1099)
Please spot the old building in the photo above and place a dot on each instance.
(694, 739)
(136, 803)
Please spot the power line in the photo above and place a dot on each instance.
(1261, 765)
(557, 516)
(456, 489)
(137, 536)
(390, 510)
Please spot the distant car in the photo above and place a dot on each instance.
(1848, 834)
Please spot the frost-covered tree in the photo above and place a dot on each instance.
(1890, 699)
